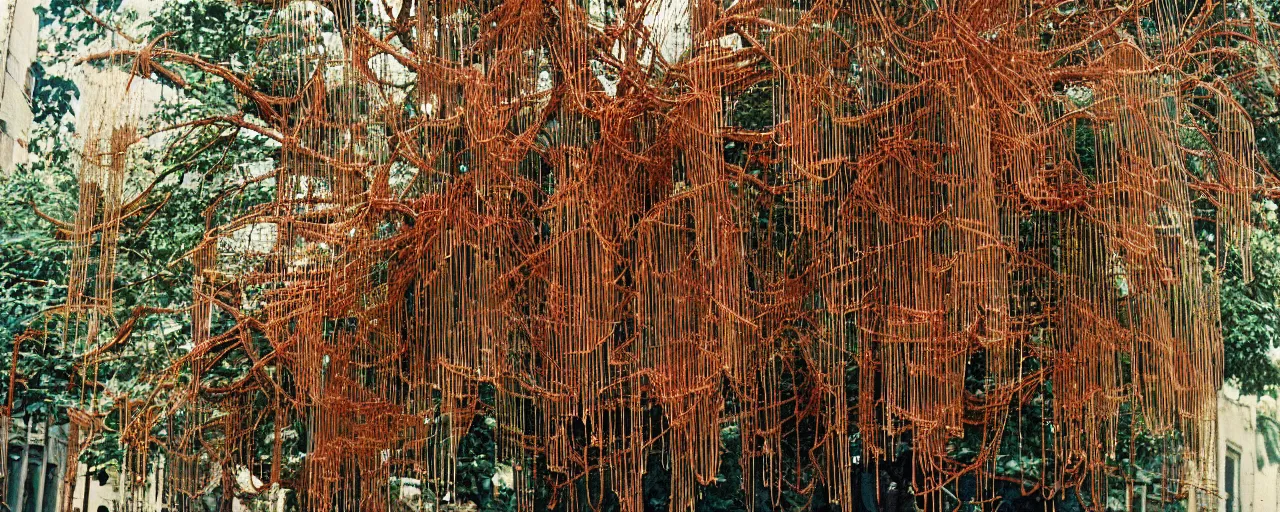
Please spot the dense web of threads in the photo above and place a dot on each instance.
(635, 223)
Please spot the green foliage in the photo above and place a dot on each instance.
(1251, 310)
(186, 172)
(33, 260)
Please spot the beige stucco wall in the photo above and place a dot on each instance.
(19, 27)
(1238, 430)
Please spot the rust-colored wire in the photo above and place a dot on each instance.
(620, 217)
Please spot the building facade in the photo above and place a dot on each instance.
(1248, 469)
(19, 27)
(37, 454)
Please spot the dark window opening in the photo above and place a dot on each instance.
(1231, 480)
(29, 84)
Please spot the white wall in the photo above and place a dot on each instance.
(1238, 430)
(18, 29)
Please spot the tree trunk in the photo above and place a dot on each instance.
(5, 425)
(22, 468)
(69, 467)
(84, 507)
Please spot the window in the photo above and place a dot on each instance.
(29, 83)
(1231, 480)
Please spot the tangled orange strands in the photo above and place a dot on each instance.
(566, 203)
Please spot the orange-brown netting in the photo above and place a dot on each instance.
(619, 228)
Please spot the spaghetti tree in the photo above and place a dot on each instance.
(634, 223)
